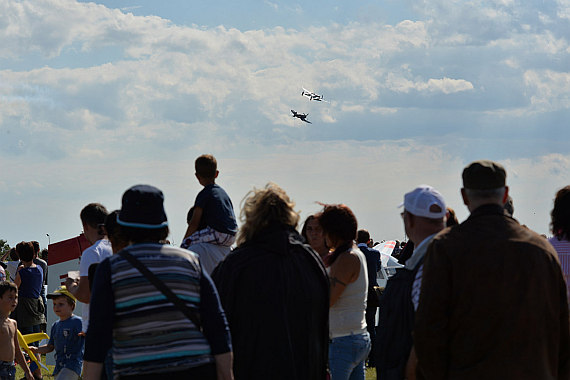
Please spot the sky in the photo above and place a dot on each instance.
(98, 96)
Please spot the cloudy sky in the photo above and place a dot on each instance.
(96, 97)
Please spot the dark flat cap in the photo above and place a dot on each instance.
(484, 175)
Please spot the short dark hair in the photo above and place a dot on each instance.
(6, 286)
(560, 215)
(25, 251)
(362, 236)
(13, 254)
(94, 214)
(145, 235)
(206, 166)
(338, 221)
(304, 229)
(36, 246)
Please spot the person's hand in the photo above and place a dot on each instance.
(34, 349)
(70, 283)
(29, 374)
(82, 333)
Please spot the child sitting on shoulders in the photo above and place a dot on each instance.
(66, 337)
(213, 209)
(9, 346)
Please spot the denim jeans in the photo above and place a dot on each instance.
(7, 371)
(347, 355)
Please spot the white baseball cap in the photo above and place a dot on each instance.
(419, 201)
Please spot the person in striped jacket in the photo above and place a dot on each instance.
(150, 337)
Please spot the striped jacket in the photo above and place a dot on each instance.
(149, 334)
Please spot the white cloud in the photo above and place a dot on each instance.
(93, 100)
(563, 9)
(443, 85)
(551, 90)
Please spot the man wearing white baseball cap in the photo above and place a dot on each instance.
(423, 216)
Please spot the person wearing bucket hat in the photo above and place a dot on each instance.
(66, 337)
(493, 298)
(154, 339)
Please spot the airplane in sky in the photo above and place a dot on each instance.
(311, 95)
(301, 116)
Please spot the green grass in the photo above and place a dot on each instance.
(370, 372)
(46, 374)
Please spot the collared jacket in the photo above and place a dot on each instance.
(493, 303)
(275, 292)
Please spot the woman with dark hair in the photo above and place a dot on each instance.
(29, 279)
(560, 225)
(275, 292)
(348, 275)
(313, 234)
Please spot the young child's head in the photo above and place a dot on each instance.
(8, 297)
(25, 251)
(206, 168)
(63, 302)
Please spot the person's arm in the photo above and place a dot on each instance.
(344, 270)
(92, 370)
(99, 337)
(45, 349)
(194, 222)
(431, 330)
(213, 318)
(564, 345)
(224, 364)
(411, 365)
(18, 279)
(20, 357)
(79, 289)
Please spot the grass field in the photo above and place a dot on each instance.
(46, 374)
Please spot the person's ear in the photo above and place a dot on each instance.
(217, 172)
(464, 196)
(506, 195)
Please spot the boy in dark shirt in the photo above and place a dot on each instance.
(213, 209)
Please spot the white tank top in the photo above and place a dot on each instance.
(346, 317)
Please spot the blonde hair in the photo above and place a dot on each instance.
(263, 207)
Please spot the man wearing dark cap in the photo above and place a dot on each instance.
(493, 299)
(151, 336)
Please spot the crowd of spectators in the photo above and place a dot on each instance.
(482, 298)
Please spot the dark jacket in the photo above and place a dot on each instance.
(395, 325)
(493, 303)
(275, 292)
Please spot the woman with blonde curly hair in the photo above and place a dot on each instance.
(275, 292)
